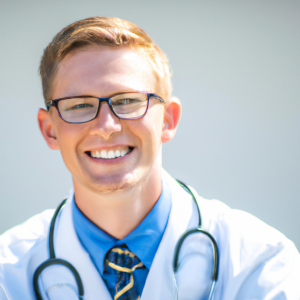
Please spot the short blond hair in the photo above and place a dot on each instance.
(107, 31)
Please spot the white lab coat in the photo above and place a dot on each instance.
(256, 261)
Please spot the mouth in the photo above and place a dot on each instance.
(110, 153)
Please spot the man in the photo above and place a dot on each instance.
(109, 109)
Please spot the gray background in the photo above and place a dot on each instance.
(236, 69)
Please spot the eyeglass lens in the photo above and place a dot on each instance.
(84, 109)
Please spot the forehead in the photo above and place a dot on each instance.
(102, 71)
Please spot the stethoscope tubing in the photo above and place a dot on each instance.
(57, 261)
(215, 250)
(193, 231)
(51, 231)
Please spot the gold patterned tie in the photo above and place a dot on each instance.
(119, 265)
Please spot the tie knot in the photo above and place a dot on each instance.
(119, 267)
(122, 259)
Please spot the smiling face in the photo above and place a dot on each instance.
(108, 154)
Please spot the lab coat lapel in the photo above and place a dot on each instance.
(68, 247)
(160, 284)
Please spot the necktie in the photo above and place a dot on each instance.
(120, 266)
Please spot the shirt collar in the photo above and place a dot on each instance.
(142, 241)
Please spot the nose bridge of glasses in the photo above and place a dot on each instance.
(106, 101)
(106, 122)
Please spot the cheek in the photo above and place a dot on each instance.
(156, 119)
(69, 136)
(149, 130)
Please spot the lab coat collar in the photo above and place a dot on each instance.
(68, 247)
(160, 284)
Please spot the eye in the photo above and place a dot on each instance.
(80, 106)
(125, 101)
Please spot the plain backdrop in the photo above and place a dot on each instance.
(236, 70)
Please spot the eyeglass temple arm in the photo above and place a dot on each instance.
(157, 97)
(49, 103)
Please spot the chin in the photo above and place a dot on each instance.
(107, 184)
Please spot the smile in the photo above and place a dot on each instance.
(110, 154)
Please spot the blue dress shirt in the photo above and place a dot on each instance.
(143, 241)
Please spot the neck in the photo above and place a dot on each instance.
(119, 212)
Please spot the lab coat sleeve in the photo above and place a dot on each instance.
(3, 294)
(276, 277)
(256, 260)
(17, 247)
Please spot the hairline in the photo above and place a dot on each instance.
(84, 48)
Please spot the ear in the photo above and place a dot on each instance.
(171, 119)
(47, 129)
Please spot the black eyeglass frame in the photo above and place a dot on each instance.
(54, 103)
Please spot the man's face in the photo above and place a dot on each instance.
(101, 72)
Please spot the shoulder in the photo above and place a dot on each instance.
(19, 240)
(233, 225)
(252, 253)
(235, 228)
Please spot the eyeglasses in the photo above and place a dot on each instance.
(82, 109)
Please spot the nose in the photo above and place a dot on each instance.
(106, 123)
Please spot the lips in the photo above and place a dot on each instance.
(110, 153)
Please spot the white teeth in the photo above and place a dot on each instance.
(104, 154)
(111, 154)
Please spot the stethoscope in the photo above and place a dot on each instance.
(192, 231)
(57, 261)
